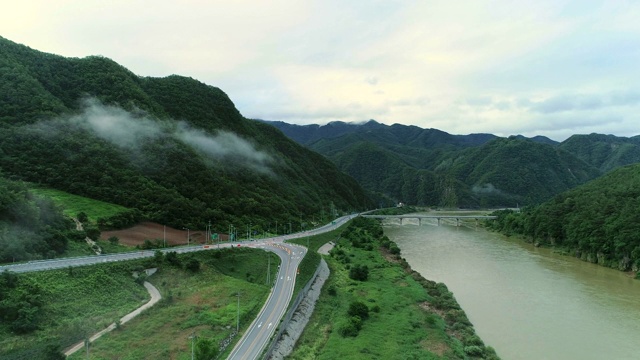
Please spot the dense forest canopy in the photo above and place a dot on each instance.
(31, 226)
(598, 221)
(434, 168)
(174, 148)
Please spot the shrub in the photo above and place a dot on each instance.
(351, 328)
(332, 290)
(173, 259)
(359, 309)
(193, 265)
(82, 217)
(473, 350)
(359, 272)
(394, 249)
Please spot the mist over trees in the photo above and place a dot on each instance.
(173, 148)
(31, 227)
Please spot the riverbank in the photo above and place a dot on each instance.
(526, 301)
(375, 306)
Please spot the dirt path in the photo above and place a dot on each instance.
(324, 249)
(91, 243)
(155, 297)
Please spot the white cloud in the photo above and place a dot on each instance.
(484, 66)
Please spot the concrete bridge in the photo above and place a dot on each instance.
(458, 218)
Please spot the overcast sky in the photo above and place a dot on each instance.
(544, 67)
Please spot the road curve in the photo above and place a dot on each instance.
(260, 331)
(262, 328)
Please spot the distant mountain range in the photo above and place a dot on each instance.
(400, 163)
(180, 152)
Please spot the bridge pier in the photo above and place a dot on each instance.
(438, 221)
(457, 222)
(419, 222)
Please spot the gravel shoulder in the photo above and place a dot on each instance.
(301, 317)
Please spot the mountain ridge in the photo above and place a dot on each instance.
(556, 166)
(175, 148)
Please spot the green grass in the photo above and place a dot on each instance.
(74, 204)
(78, 301)
(85, 300)
(202, 303)
(398, 331)
(311, 260)
(402, 323)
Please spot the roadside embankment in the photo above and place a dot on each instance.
(373, 305)
(155, 297)
(301, 316)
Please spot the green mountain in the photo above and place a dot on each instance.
(514, 171)
(431, 167)
(606, 152)
(174, 148)
(598, 221)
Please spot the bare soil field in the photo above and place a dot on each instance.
(137, 234)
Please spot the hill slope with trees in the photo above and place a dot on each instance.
(31, 226)
(606, 152)
(409, 164)
(174, 148)
(597, 222)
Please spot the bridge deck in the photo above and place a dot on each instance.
(430, 216)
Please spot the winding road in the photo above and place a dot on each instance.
(259, 333)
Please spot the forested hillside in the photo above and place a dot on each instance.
(409, 164)
(606, 152)
(514, 171)
(31, 226)
(174, 148)
(597, 222)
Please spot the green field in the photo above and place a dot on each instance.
(311, 261)
(82, 301)
(73, 204)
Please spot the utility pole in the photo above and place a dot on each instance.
(238, 318)
(188, 236)
(193, 338)
(269, 269)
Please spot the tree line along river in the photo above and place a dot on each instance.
(527, 302)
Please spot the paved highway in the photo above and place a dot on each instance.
(260, 331)
(257, 336)
(41, 265)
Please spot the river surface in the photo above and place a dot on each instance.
(527, 302)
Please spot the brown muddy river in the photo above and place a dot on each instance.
(527, 302)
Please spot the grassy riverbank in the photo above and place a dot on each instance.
(197, 299)
(374, 306)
